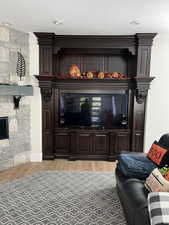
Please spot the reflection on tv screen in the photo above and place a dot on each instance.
(93, 110)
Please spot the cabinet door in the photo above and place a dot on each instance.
(84, 143)
(100, 144)
(112, 138)
(137, 142)
(47, 142)
(47, 134)
(62, 143)
(122, 142)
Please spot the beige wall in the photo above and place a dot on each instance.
(157, 113)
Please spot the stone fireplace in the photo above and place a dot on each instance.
(14, 123)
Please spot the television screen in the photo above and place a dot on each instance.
(107, 110)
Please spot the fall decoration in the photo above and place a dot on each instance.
(115, 75)
(121, 76)
(89, 75)
(101, 75)
(74, 71)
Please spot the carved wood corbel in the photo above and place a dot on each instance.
(142, 84)
(132, 50)
(140, 95)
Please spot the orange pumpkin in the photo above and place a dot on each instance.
(89, 75)
(74, 71)
(115, 75)
(101, 75)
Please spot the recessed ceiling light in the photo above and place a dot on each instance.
(57, 22)
(5, 23)
(134, 23)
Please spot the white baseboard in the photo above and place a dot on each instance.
(36, 157)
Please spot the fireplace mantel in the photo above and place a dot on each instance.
(16, 90)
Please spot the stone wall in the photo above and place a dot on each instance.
(16, 149)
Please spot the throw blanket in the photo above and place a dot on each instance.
(158, 204)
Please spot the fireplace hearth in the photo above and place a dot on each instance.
(4, 131)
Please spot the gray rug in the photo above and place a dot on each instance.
(61, 198)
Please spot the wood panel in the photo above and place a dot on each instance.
(56, 105)
(143, 58)
(92, 63)
(76, 144)
(144, 53)
(62, 142)
(122, 142)
(107, 63)
(47, 138)
(138, 126)
(137, 141)
(47, 143)
(116, 63)
(65, 62)
(112, 141)
(84, 143)
(101, 143)
(73, 143)
(45, 60)
(47, 127)
(47, 123)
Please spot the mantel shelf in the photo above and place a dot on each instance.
(16, 90)
(139, 83)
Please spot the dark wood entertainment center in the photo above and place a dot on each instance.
(127, 54)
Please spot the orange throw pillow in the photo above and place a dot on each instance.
(156, 153)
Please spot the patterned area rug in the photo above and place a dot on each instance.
(61, 198)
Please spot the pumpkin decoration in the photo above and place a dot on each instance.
(89, 75)
(74, 71)
(108, 75)
(101, 75)
(78, 75)
(121, 76)
(83, 75)
(115, 75)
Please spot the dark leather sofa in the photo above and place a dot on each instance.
(133, 195)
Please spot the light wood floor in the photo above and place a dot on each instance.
(31, 168)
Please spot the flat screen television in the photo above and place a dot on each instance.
(80, 109)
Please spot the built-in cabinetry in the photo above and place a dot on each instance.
(83, 144)
(127, 54)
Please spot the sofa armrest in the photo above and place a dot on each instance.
(134, 153)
